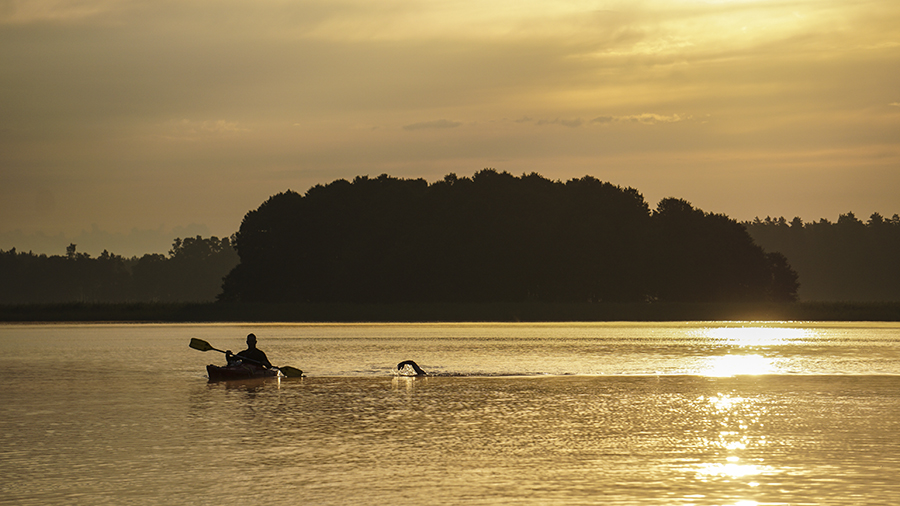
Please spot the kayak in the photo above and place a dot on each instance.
(238, 372)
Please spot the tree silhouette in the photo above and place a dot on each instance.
(846, 260)
(709, 257)
(193, 272)
(486, 238)
(493, 237)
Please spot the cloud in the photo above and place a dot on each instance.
(655, 118)
(646, 118)
(571, 123)
(438, 123)
(94, 91)
(56, 11)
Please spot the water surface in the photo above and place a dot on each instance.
(700, 413)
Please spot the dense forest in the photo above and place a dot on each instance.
(192, 271)
(848, 260)
(495, 237)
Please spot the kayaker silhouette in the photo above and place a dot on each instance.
(252, 354)
(415, 367)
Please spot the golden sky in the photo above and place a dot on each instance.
(124, 114)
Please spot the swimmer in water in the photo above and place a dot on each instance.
(415, 366)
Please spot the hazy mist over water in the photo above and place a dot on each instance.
(703, 413)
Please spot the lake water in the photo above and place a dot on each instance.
(699, 413)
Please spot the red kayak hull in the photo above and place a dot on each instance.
(238, 372)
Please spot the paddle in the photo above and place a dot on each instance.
(290, 372)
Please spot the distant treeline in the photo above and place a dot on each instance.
(844, 261)
(491, 238)
(192, 271)
(495, 237)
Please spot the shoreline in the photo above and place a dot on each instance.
(214, 312)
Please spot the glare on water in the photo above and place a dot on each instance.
(758, 335)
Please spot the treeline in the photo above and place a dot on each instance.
(495, 237)
(847, 260)
(192, 271)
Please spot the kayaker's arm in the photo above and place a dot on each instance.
(263, 359)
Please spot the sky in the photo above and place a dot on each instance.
(126, 123)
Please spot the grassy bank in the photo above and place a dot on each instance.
(491, 312)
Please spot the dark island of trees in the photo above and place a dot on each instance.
(495, 238)
(493, 247)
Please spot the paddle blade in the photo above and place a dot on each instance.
(200, 344)
(291, 372)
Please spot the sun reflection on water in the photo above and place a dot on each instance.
(757, 336)
(732, 470)
(739, 340)
(735, 442)
(724, 403)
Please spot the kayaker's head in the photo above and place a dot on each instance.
(251, 341)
